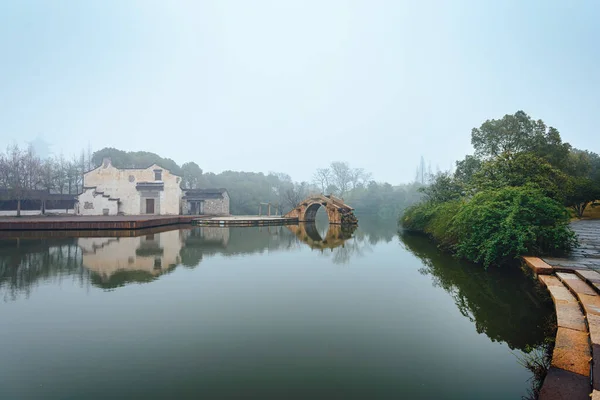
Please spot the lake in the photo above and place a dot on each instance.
(272, 312)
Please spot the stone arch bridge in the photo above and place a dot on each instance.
(338, 212)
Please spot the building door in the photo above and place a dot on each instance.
(149, 206)
(193, 208)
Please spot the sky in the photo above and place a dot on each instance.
(291, 86)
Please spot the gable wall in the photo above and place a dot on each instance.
(117, 183)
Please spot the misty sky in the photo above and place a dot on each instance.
(293, 85)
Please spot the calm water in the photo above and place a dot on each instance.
(280, 312)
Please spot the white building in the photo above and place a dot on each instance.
(110, 191)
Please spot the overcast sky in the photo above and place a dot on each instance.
(292, 85)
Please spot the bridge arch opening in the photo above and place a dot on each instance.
(310, 215)
(337, 212)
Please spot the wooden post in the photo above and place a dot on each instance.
(269, 210)
(259, 209)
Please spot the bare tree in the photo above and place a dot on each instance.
(295, 194)
(342, 176)
(322, 178)
(61, 174)
(14, 176)
(359, 177)
(31, 168)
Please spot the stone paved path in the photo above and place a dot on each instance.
(587, 256)
(574, 284)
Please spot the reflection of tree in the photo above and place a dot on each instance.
(207, 241)
(375, 230)
(110, 259)
(24, 262)
(502, 302)
(122, 278)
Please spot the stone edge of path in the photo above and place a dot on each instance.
(575, 354)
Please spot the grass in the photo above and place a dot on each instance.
(592, 212)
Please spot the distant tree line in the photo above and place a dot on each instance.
(248, 189)
(21, 169)
(511, 196)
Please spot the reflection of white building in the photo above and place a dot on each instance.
(153, 253)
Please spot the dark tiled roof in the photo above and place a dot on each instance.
(200, 194)
(7, 194)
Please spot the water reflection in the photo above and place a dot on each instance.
(499, 301)
(336, 235)
(114, 262)
(231, 319)
(24, 262)
(109, 259)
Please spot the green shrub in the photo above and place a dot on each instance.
(434, 219)
(416, 217)
(497, 226)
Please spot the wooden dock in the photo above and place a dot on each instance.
(244, 220)
(83, 223)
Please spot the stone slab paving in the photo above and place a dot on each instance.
(538, 266)
(574, 284)
(568, 312)
(564, 385)
(569, 373)
(572, 351)
(587, 255)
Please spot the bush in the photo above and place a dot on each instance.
(434, 219)
(495, 226)
(501, 225)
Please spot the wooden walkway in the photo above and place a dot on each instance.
(81, 223)
(574, 284)
(244, 220)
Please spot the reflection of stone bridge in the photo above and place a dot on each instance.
(337, 212)
(336, 235)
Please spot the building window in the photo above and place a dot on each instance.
(158, 175)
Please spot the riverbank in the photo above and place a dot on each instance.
(495, 227)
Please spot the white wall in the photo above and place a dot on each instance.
(92, 203)
(122, 184)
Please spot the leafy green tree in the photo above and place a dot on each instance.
(443, 188)
(467, 168)
(134, 159)
(511, 134)
(519, 133)
(523, 169)
(192, 175)
(582, 193)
